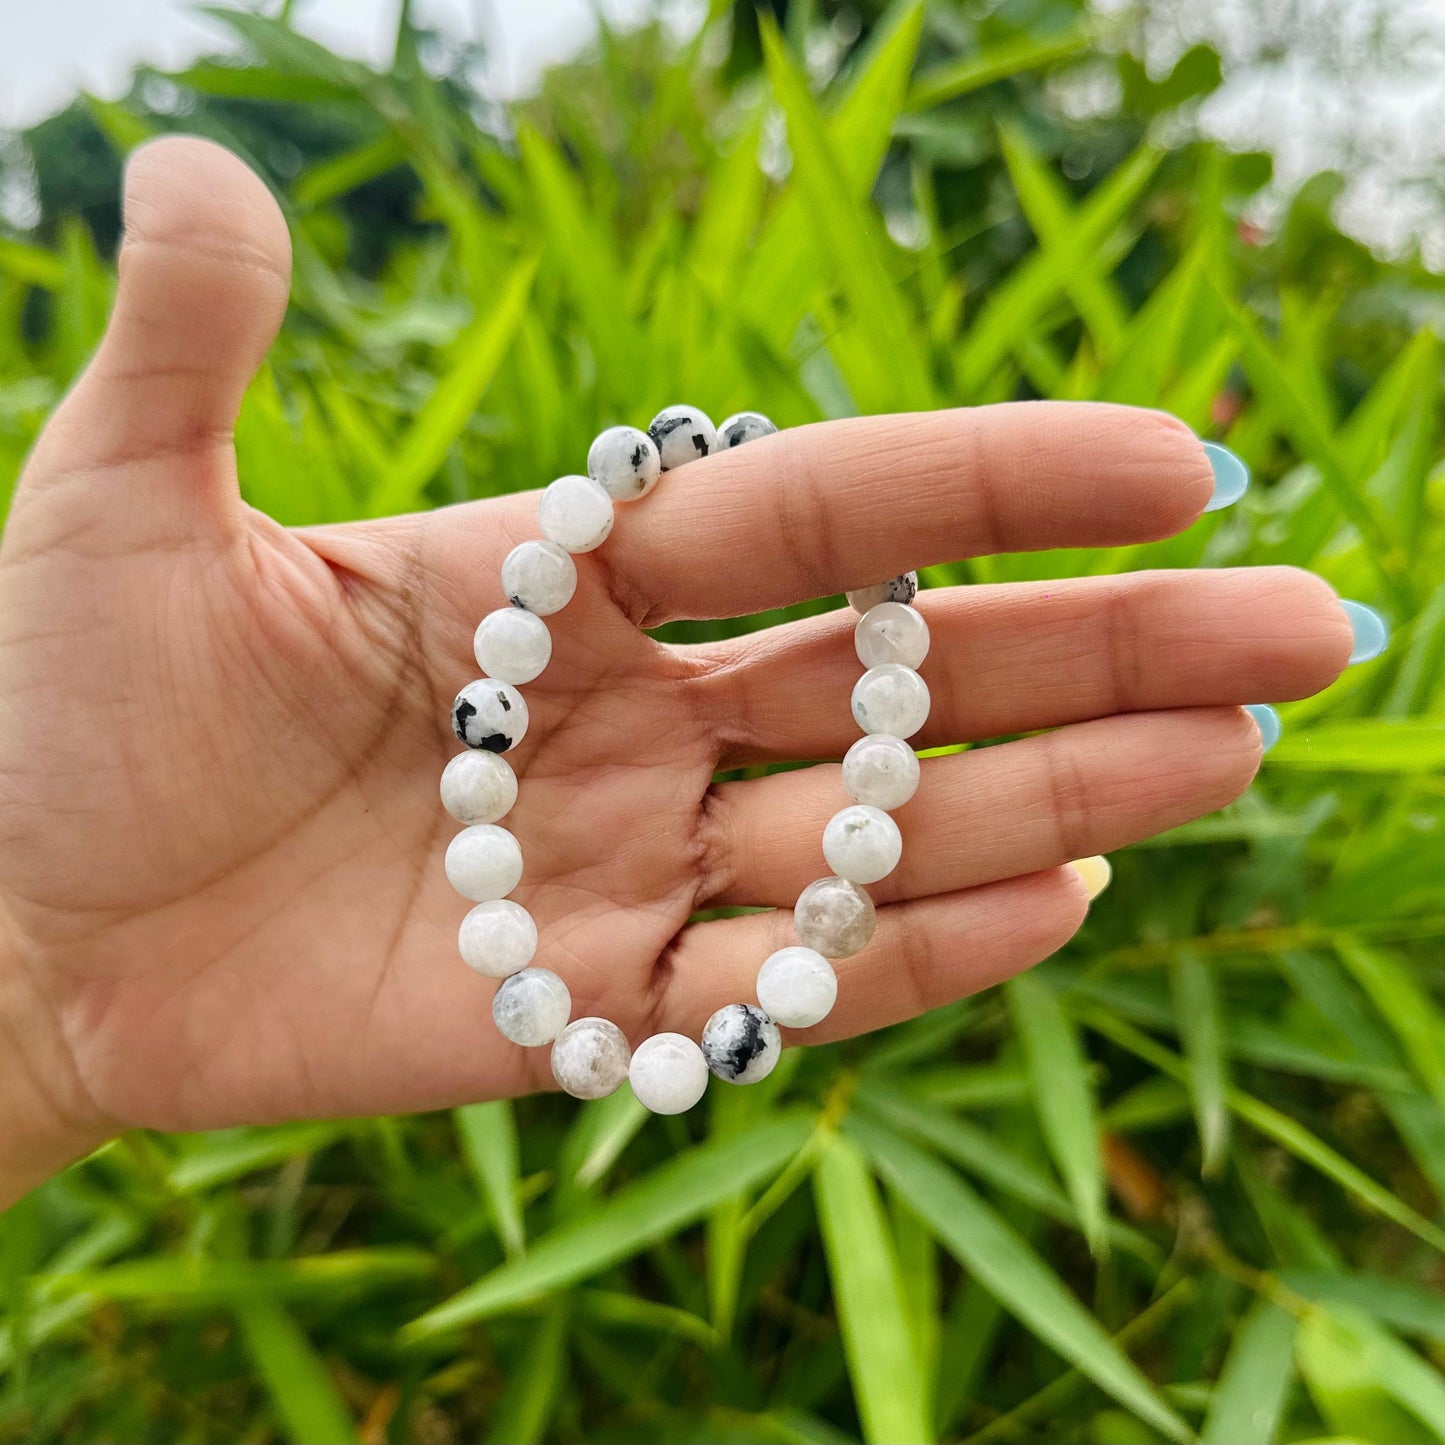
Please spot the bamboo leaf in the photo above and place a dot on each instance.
(883, 1362)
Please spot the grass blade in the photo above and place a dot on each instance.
(863, 1265)
(1246, 1404)
(1063, 1098)
(489, 1141)
(300, 1384)
(1001, 1261)
(649, 1209)
(1196, 1007)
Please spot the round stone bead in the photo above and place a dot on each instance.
(590, 1058)
(682, 434)
(891, 699)
(575, 513)
(532, 1007)
(668, 1073)
(862, 844)
(797, 987)
(903, 588)
(624, 463)
(484, 862)
(478, 787)
(880, 770)
(512, 645)
(498, 938)
(741, 427)
(540, 576)
(889, 632)
(835, 917)
(490, 715)
(741, 1044)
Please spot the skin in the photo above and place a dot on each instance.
(221, 887)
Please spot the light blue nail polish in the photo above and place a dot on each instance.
(1372, 632)
(1231, 476)
(1266, 719)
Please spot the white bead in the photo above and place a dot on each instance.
(891, 699)
(512, 645)
(668, 1073)
(903, 588)
(590, 1058)
(890, 632)
(575, 513)
(797, 987)
(741, 427)
(862, 844)
(532, 1007)
(498, 938)
(624, 463)
(741, 1044)
(682, 434)
(540, 576)
(880, 770)
(484, 862)
(835, 917)
(478, 787)
(489, 714)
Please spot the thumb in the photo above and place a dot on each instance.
(204, 266)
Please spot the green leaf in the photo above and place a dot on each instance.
(489, 1142)
(1365, 1382)
(525, 1410)
(1063, 1098)
(1376, 745)
(1001, 1261)
(294, 1374)
(863, 1265)
(1412, 1309)
(650, 1209)
(479, 352)
(1247, 1403)
(1401, 1002)
(1196, 1007)
(1013, 57)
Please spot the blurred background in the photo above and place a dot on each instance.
(1184, 1180)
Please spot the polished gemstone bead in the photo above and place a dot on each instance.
(575, 513)
(540, 576)
(797, 987)
(742, 427)
(862, 844)
(478, 787)
(498, 938)
(624, 463)
(891, 632)
(489, 714)
(835, 917)
(532, 1007)
(484, 862)
(903, 588)
(512, 645)
(668, 1073)
(682, 434)
(741, 1043)
(590, 1058)
(880, 770)
(891, 699)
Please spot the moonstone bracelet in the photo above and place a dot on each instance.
(834, 917)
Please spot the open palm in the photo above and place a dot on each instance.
(220, 840)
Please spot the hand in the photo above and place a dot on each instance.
(221, 885)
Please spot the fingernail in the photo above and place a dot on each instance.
(1266, 719)
(1095, 872)
(1231, 476)
(1372, 632)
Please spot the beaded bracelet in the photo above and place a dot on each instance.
(834, 917)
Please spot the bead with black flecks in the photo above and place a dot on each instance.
(624, 463)
(743, 427)
(540, 576)
(575, 513)
(682, 434)
(903, 588)
(489, 714)
(741, 1044)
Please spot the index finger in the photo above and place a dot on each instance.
(838, 505)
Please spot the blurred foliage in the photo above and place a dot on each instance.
(1197, 1191)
